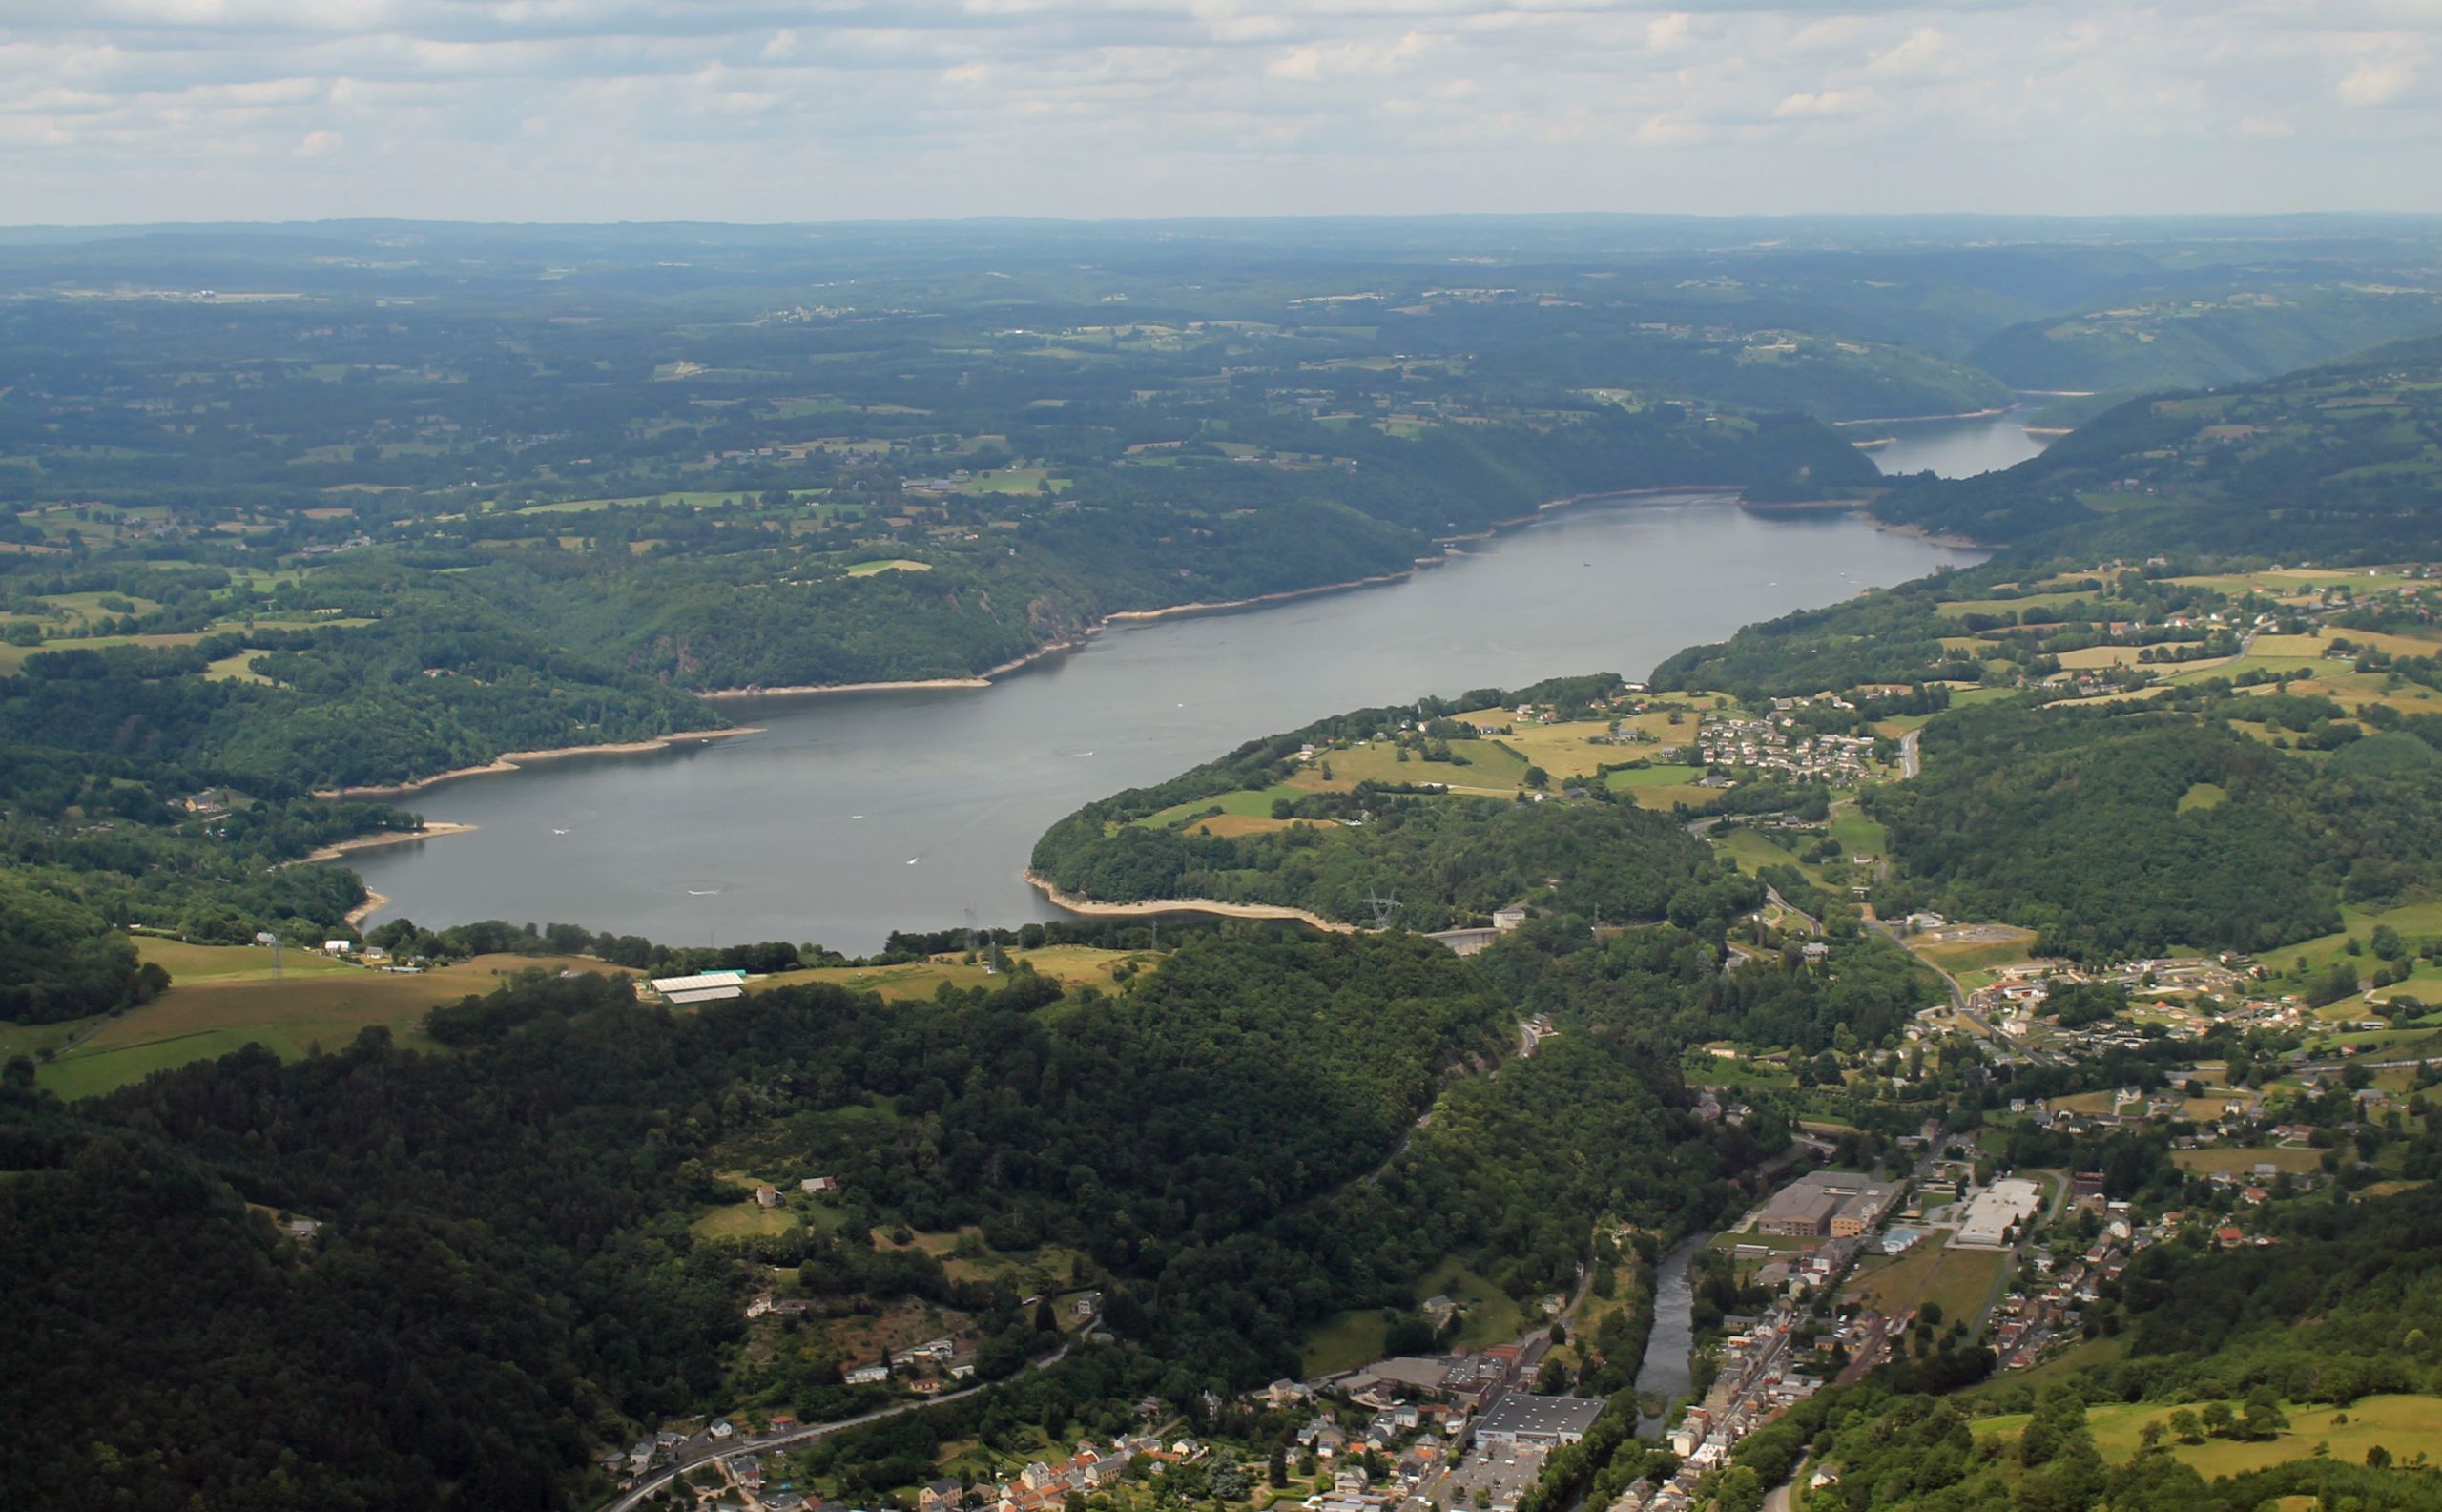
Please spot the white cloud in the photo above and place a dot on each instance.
(596, 109)
(2376, 81)
(1827, 103)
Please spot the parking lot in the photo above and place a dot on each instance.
(1502, 1472)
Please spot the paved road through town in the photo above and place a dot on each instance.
(634, 1496)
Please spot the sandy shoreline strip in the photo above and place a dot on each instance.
(1090, 908)
(982, 679)
(1903, 420)
(513, 760)
(434, 830)
(374, 902)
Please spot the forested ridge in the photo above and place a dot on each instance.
(2339, 462)
(1196, 1135)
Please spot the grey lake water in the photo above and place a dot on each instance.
(1957, 448)
(853, 815)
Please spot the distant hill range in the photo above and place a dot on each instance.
(2340, 463)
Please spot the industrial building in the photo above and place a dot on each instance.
(1541, 1421)
(1995, 1211)
(705, 986)
(1841, 1204)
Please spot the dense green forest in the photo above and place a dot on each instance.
(1199, 1137)
(2069, 821)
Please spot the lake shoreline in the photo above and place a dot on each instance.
(374, 902)
(1086, 907)
(1910, 419)
(982, 679)
(434, 830)
(1956, 543)
(517, 761)
(1140, 616)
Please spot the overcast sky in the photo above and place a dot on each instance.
(743, 110)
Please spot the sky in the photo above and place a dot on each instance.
(115, 110)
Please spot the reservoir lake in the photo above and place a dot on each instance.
(851, 815)
(1957, 447)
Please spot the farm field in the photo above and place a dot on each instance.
(1960, 1280)
(32, 1039)
(225, 998)
(1238, 804)
(1663, 787)
(1991, 946)
(1073, 965)
(2238, 1162)
(2401, 1424)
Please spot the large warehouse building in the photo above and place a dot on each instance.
(1840, 1204)
(1992, 1214)
(1541, 1421)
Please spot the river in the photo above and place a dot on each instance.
(1666, 1372)
(853, 815)
(1959, 447)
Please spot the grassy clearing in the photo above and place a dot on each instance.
(1962, 1281)
(1227, 825)
(1662, 795)
(1753, 850)
(2059, 1367)
(2203, 795)
(1858, 835)
(239, 667)
(1252, 803)
(2238, 1162)
(1355, 1338)
(896, 564)
(1956, 956)
(1568, 750)
(2401, 1424)
(32, 1039)
(219, 1005)
(188, 964)
(1487, 768)
(1073, 965)
(744, 1220)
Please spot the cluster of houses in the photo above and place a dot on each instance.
(2024, 1324)
(1757, 1383)
(1042, 1485)
(933, 1363)
(1775, 743)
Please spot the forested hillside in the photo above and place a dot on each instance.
(2070, 822)
(2165, 339)
(1196, 1136)
(2337, 463)
(1451, 854)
